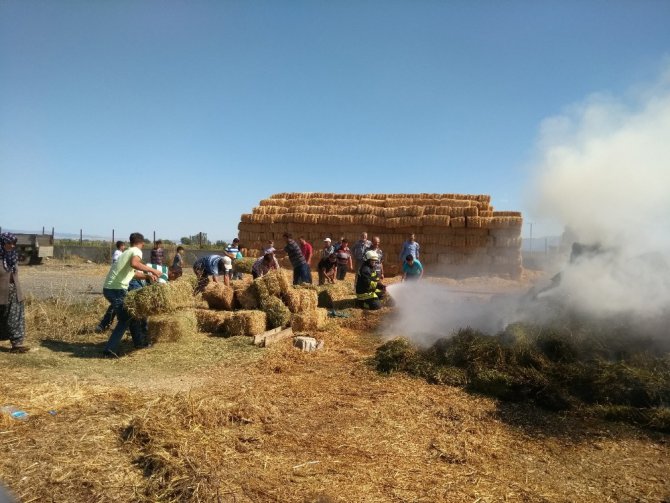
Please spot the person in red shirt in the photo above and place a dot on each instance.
(306, 249)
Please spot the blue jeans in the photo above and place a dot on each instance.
(302, 274)
(124, 321)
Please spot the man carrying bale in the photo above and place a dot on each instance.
(301, 272)
(128, 266)
(268, 262)
(369, 289)
(211, 265)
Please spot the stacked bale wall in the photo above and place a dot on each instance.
(459, 234)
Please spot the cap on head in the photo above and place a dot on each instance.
(327, 240)
(269, 251)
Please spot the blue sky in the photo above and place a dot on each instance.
(176, 116)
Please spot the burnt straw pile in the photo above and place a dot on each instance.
(584, 371)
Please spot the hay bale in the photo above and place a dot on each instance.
(243, 265)
(171, 327)
(299, 298)
(245, 296)
(212, 321)
(218, 296)
(309, 320)
(337, 296)
(278, 315)
(272, 284)
(159, 298)
(246, 322)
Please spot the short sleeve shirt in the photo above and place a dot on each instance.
(121, 272)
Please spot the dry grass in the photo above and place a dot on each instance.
(210, 419)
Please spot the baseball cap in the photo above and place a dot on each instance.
(227, 263)
(328, 240)
(269, 250)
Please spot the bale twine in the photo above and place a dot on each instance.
(218, 296)
(278, 315)
(309, 320)
(171, 327)
(299, 298)
(246, 322)
(159, 298)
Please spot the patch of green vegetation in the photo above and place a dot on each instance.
(557, 368)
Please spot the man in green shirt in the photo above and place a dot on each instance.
(128, 266)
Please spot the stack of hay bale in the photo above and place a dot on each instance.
(168, 309)
(250, 308)
(459, 234)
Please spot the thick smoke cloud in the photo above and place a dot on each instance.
(603, 172)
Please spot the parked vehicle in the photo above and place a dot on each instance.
(32, 248)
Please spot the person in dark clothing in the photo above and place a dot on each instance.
(12, 307)
(327, 269)
(301, 272)
(157, 253)
(369, 289)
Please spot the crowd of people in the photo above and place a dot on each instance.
(365, 258)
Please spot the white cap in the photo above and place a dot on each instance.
(269, 250)
(227, 263)
(328, 240)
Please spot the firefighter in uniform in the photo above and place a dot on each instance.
(369, 289)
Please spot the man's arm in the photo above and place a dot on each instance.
(136, 263)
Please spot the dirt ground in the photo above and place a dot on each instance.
(300, 427)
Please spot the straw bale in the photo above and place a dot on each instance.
(212, 321)
(171, 327)
(245, 295)
(438, 220)
(243, 265)
(506, 214)
(309, 320)
(505, 222)
(300, 298)
(272, 284)
(455, 203)
(246, 218)
(471, 211)
(339, 295)
(474, 241)
(159, 298)
(278, 315)
(245, 322)
(218, 296)
(474, 222)
(457, 222)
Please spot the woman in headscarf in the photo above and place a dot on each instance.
(12, 314)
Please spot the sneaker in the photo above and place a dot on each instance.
(107, 353)
(19, 349)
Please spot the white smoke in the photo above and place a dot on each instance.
(603, 171)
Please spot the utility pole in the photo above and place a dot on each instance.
(531, 237)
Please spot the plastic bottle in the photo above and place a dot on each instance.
(14, 413)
